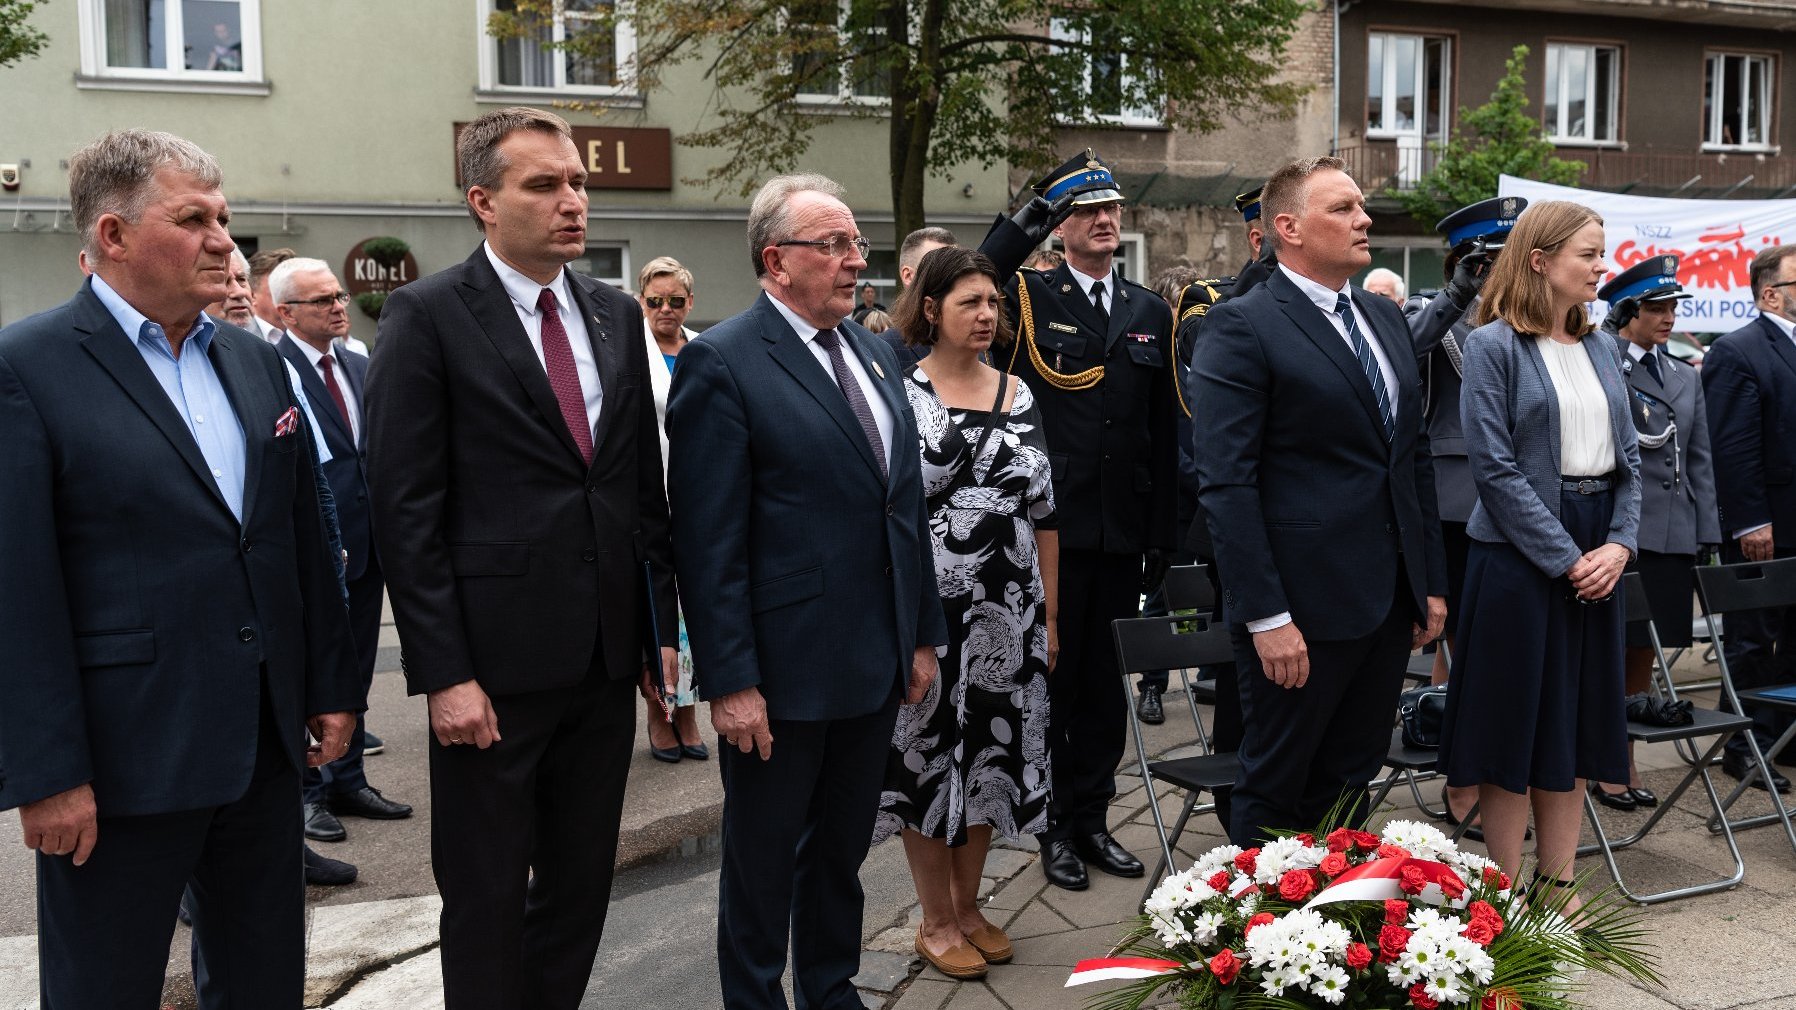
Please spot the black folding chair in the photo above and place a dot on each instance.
(1173, 643)
(1720, 725)
(1188, 588)
(1751, 585)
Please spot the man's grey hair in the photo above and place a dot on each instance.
(477, 147)
(285, 277)
(909, 254)
(770, 215)
(117, 175)
(1387, 274)
(240, 262)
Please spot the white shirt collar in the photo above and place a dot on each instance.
(312, 353)
(806, 331)
(1320, 294)
(1788, 327)
(1085, 281)
(524, 291)
(1635, 351)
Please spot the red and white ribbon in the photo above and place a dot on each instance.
(1114, 969)
(1381, 880)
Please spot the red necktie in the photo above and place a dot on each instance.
(330, 383)
(564, 378)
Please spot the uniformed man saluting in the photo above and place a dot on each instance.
(1093, 346)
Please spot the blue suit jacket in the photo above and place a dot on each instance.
(142, 623)
(802, 572)
(347, 470)
(1749, 381)
(1311, 509)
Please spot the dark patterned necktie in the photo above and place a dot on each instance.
(1367, 364)
(564, 377)
(336, 391)
(857, 402)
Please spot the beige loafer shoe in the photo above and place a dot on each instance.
(960, 961)
(992, 944)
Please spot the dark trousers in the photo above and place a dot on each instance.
(1087, 710)
(345, 775)
(1761, 652)
(1155, 606)
(104, 928)
(796, 828)
(1305, 749)
(522, 839)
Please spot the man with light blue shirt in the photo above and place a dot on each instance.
(162, 532)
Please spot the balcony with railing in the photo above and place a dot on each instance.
(1380, 166)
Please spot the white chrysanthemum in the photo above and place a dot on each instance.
(1445, 987)
(1250, 903)
(1402, 974)
(1424, 841)
(1181, 890)
(1330, 984)
(1276, 981)
(1205, 928)
(1221, 857)
(1273, 945)
(1478, 964)
(1326, 939)
(1288, 853)
(1424, 918)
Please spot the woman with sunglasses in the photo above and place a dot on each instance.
(664, 289)
(1534, 701)
(1678, 518)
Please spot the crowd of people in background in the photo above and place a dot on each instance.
(886, 545)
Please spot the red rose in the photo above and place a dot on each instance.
(1358, 956)
(1339, 840)
(1412, 880)
(1419, 998)
(1483, 912)
(1296, 885)
(1392, 942)
(1366, 840)
(1307, 838)
(1491, 874)
(1503, 881)
(1396, 911)
(1389, 851)
(1226, 966)
(1259, 919)
(1219, 881)
(1244, 862)
(1451, 885)
(1479, 932)
(1334, 864)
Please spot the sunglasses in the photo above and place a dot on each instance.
(672, 301)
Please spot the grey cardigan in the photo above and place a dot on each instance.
(1511, 416)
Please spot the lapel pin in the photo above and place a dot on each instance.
(1125, 295)
(878, 370)
(1066, 289)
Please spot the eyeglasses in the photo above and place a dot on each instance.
(324, 302)
(671, 301)
(835, 247)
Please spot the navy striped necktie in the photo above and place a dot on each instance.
(1367, 364)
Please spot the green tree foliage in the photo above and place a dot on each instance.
(984, 81)
(19, 40)
(1499, 137)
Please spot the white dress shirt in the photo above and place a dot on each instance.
(524, 293)
(1789, 330)
(882, 412)
(1586, 442)
(314, 355)
(270, 333)
(1085, 281)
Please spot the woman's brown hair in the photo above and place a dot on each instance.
(1518, 295)
(936, 276)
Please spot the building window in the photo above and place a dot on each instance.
(199, 41)
(1406, 85)
(539, 60)
(608, 262)
(1109, 75)
(838, 26)
(1583, 92)
(1736, 100)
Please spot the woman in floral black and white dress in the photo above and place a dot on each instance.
(971, 758)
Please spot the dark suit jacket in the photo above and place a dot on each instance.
(803, 572)
(508, 559)
(347, 471)
(1749, 381)
(1311, 510)
(141, 620)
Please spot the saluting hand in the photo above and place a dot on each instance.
(1284, 655)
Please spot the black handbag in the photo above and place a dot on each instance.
(1422, 710)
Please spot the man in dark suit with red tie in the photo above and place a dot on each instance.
(519, 514)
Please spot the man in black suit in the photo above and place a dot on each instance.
(515, 468)
(1749, 381)
(314, 311)
(162, 540)
(1314, 473)
(810, 591)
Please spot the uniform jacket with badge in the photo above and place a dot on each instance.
(1107, 402)
(142, 620)
(1439, 330)
(1193, 305)
(1677, 478)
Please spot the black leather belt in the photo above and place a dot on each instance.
(1587, 485)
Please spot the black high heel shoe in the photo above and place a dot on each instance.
(1623, 800)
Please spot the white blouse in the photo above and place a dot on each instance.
(1586, 445)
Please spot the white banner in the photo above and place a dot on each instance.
(1714, 239)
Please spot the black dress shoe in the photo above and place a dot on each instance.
(368, 802)
(696, 751)
(322, 825)
(1623, 800)
(371, 744)
(1644, 797)
(327, 872)
(1148, 707)
(1738, 766)
(1102, 851)
(1063, 867)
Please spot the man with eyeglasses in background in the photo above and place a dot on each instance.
(313, 309)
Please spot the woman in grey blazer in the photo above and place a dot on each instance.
(1534, 704)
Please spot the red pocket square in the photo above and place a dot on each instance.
(288, 423)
